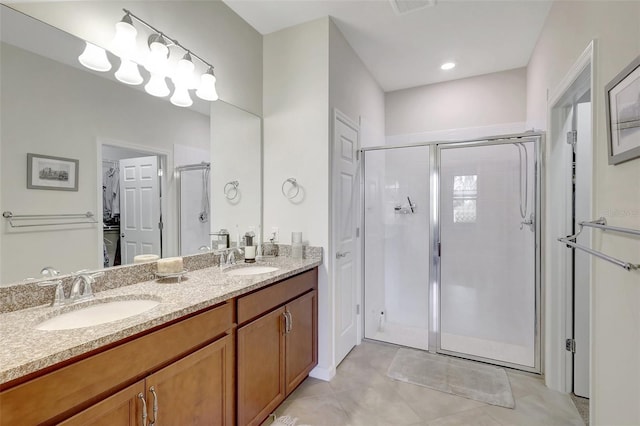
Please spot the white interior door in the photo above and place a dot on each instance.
(139, 208)
(582, 260)
(345, 194)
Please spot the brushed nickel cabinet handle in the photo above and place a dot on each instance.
(155, 406)
(144, 409)
(286, 323)
(290, 321)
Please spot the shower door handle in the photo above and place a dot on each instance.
(342, 254)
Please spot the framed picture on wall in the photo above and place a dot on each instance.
(622, 98)
(56, 173)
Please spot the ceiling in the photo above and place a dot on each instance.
(406, 50)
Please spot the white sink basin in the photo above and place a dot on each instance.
(252, 270)
(98, 314)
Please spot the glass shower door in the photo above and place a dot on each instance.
(488, 288)
(396, 251)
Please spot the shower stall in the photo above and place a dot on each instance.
(451, 248)
(194, 207)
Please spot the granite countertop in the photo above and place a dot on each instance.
(25, 349)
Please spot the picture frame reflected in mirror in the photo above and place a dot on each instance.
(52, 173)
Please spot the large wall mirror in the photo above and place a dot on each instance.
(157, 178)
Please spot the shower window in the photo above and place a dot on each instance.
(465, 194)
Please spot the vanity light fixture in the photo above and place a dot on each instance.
(157, 86)
(181, 97)
(207, 88)
(448, 66)
(156, 62)
(158, 59)
(182, 81)
(128, 73)
(94, 58)
(124, 41)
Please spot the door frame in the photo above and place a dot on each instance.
(436, 275)
(165, 161)
(333, 246)
(557, 268)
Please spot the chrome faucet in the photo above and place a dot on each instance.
(58, 296)
(231, 259)
(227, 257)
(222, 260)
(49, 271)
(84, 278)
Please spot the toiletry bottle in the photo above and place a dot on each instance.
(296, 245)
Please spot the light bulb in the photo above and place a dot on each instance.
(158, 55)
(207, 89)
(448, 66)
(181, 97)
(157, 86)
(184, 71)
(94, 58)
(124, 42)
(129, 73)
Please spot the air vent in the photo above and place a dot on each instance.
(402, 7)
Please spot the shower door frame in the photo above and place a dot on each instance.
(434, 279)
(435, 270)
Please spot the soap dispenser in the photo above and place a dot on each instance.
(250, 249)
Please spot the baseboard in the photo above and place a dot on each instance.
(325, 374)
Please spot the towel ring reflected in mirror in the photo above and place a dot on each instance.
(294, 188)
(231, 190)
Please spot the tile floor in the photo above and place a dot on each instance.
(362, 394)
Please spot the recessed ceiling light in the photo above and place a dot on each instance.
(447, 66)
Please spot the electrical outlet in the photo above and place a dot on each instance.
(275, 234)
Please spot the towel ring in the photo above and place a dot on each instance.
(294, 184)
(231, 190)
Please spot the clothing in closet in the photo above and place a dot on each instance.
(111, 192)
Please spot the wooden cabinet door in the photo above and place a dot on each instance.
(122, 409)
(195, 390)
(261, 367)
(302, 339)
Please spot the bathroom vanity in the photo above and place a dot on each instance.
(219, 349)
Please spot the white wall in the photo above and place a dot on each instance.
(353, 90)
(480, 101)
(59, 116)
(615, 294)
(236, 146)
(209, 28)
(296, 144)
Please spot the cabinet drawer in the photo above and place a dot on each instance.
(65, 391)
(255, 304)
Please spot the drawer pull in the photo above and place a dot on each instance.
(155, 406)
(144, 409)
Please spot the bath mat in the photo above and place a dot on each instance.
(470, 380)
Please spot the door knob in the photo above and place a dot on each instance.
(122, 235)
(341, 254)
